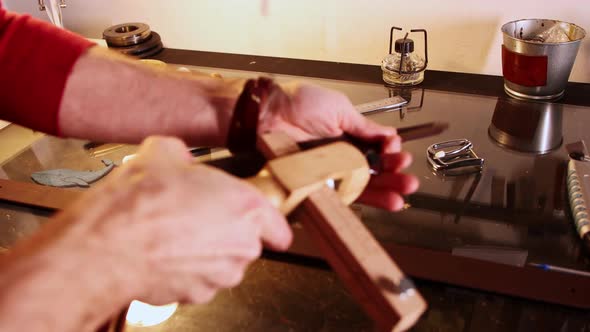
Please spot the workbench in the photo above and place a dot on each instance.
(516, 206)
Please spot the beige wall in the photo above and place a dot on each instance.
(464, 35)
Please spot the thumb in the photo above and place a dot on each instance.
(359, 126)
(164, 148)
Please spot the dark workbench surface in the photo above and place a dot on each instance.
(485, 85)
(516, 203)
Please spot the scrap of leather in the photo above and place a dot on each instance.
(71, 178)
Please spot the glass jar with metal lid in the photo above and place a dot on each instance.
(404, 67)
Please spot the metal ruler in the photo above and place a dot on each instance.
(381, 105)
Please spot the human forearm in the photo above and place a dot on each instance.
(46, 295)
(64, 278)
(35, 61)
(111, 98)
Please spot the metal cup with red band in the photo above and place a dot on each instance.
(538, 56)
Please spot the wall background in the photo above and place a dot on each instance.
(464, 35)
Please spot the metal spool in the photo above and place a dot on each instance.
(127, 34)
(154, 41)
(150, 52)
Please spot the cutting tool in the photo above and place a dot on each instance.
(294, 178)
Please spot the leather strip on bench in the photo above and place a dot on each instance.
(31, 194)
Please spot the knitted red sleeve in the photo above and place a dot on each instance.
(36, 59)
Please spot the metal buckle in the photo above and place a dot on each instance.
(454, 157)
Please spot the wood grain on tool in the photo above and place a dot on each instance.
(354, 254)
(299, 174)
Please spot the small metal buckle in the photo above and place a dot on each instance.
(454, 157)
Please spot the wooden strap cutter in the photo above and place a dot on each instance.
(294, 178)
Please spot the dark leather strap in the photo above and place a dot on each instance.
(252, 102)
(32, 194)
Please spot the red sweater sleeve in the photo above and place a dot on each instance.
(36, 59)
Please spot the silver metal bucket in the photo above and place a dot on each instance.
(538, 56)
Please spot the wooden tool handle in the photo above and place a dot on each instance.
(273, 191)
(297, 175)
(372, 277)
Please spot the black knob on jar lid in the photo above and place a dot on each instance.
(404, 46)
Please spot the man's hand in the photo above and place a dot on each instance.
(196, 228)
(317, 112)
(158, 229)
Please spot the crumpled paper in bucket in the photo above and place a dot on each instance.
(555, 34)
